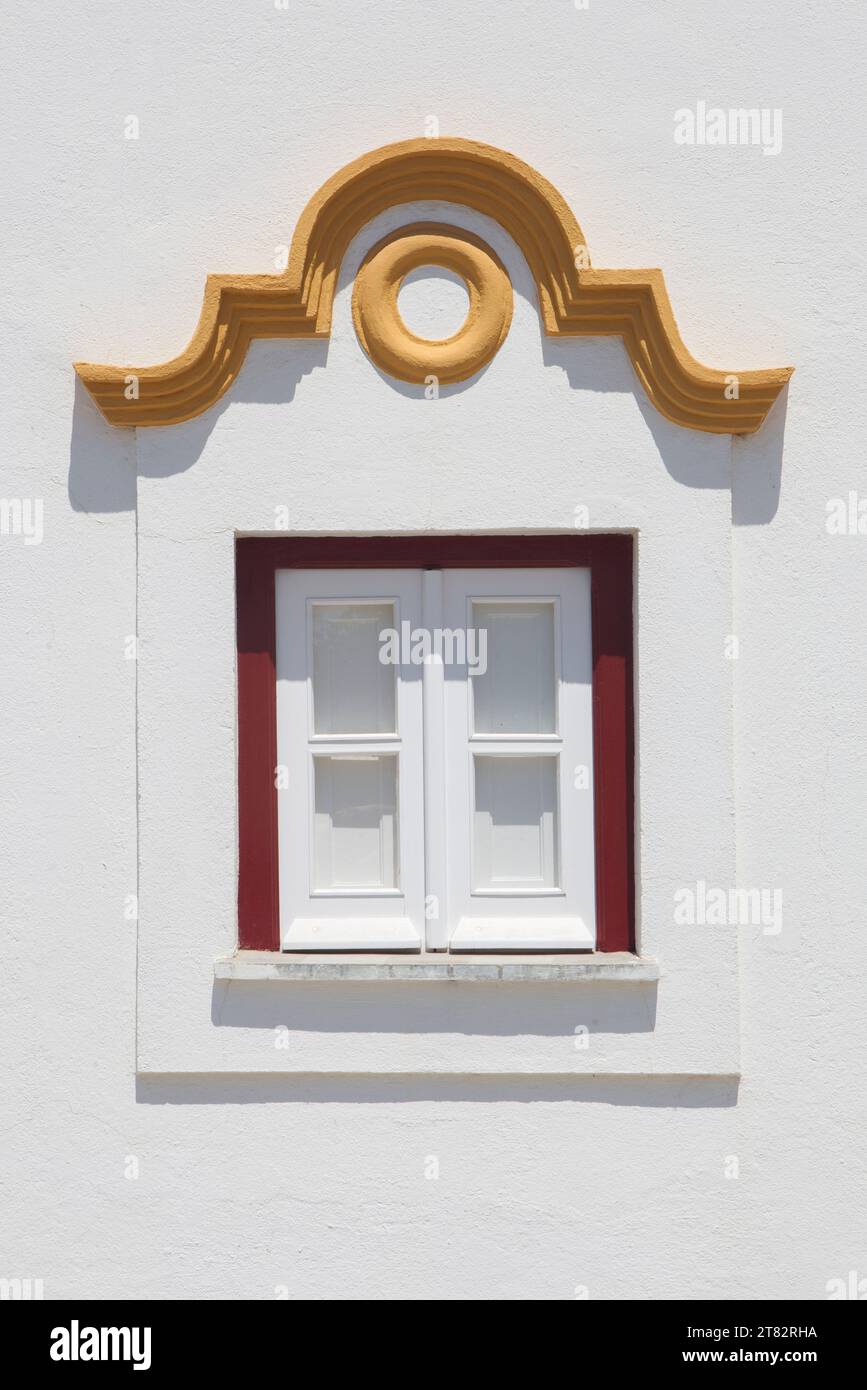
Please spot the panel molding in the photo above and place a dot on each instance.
(575, 300)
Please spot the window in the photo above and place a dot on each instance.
(435, 744)
(349, 748)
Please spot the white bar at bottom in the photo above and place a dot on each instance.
(522, 934)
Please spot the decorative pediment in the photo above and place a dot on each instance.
(575, 300)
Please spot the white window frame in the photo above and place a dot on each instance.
(436, 905)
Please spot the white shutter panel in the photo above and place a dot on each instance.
(519, 738)
(349, 749)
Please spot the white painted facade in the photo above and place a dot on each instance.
(173, 1135)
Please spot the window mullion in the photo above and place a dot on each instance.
(434, 756)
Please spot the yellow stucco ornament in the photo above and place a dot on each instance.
(384, 335)
(574, 299)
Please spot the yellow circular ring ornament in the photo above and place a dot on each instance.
(384, 335)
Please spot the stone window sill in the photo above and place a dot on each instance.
(613, 967)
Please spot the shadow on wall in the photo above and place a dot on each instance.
(274, 369)
(757, 466)
(96, 446)
(646, 1092)
(102, 460)
(431, 1009)
(502, 1010)
(755, 472)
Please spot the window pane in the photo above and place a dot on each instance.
(515, 695)
(515, 830)
(355, 814)
(353, 692)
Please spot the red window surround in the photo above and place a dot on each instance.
(610, 561)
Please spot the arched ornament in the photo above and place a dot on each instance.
(575, 300)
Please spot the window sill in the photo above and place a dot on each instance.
(614, 967)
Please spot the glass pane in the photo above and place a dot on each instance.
(515, 830)
(353, 692)
(515, 695)
(355, 821)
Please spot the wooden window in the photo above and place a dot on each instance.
(467, 787)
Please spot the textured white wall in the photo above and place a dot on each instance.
(318, 1184)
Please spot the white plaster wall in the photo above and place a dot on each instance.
(248, 1183)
